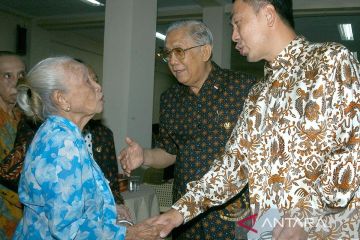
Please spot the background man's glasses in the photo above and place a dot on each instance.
(178, 52)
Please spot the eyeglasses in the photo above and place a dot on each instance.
(178, 52)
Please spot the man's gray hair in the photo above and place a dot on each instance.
(35, 95)
(197, 30)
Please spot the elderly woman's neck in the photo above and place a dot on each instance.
(80, 121)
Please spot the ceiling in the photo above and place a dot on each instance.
(50, 8)
(51, 13)
(317, 25)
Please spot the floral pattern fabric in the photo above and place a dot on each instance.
(297, 143)
(10, 168)
(65, 194)
(103, 149)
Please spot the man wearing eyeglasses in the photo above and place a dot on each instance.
(196, 119)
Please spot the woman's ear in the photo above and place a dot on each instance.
(60, 101)
(206, 52)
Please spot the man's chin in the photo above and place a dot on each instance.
(248, 57)
(182, 80)
(251, 59)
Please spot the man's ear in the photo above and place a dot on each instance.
(60, 100)
(270, 14)
(206, 52)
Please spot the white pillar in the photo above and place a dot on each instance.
(218, 22)
(128, 71)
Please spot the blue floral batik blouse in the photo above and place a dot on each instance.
(64, 192)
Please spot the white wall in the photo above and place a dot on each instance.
(8, 23)
(69, 43)
(43, 43)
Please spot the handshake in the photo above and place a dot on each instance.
(143, 231)
(155, 228)
(132, 157)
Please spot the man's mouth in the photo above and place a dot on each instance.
(241, 50)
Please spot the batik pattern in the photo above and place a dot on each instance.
(195, 128)
(297, 143)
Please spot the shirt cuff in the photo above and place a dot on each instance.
(187, 207)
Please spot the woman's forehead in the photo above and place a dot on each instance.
(74, 71)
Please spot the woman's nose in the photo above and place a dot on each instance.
(98, 87)
(234, 35)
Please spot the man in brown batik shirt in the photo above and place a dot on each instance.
(297, 141)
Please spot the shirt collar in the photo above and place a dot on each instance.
(64, 121)
(212, 80)
(287, 57)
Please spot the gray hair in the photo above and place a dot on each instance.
(35, 95)
(197, 30)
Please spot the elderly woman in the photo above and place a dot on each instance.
(99, 141)
(64, 192)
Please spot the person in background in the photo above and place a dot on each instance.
(297, 142)
(12, 68)
(64, 192)
(196, 119)
(99, 140)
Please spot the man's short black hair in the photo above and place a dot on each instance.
(283, 7)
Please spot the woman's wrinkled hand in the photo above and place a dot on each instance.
(123, 212)
(143, 231)
(166, 222)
